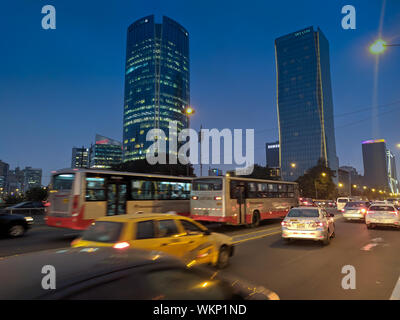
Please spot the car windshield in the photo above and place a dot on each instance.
(103, 231)
(381, 208)
(303, 213)
(19, 205)
(355, 205)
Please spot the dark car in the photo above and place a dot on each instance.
(108, 273)
(14, 225)
(26, 208)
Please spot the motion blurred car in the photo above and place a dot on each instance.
(306, 202)
(14, 225)
(355, 210)
(382, 215)
(308, 223)
(95, 273)
(27, 208)
(341, 202)
(177, 235)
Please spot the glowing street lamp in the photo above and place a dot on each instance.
(354, 186)
(364, 187)
(323, 174)
(293, 165)
(340, 185)
(378, 47)
(373, 190)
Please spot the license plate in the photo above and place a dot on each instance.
(300, 226)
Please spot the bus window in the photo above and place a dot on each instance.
(207, 185)
(95, 190)
(282, 190)
(251, 190)
(273, 190)
(290, 188)
(63, 182)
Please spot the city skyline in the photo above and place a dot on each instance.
(243, 85)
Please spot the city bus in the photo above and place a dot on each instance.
(241, 201)
(79, 196)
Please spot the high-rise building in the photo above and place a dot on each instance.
(304, 103)
(375, 164)
(32, 178)
(80, 157)
(392, 172)
(272, 150)
(156, 82)
(105, 152)
(4, 171)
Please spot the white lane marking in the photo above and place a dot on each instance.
(369, 246)
(396, 291)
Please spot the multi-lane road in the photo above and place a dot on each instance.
(298, 270)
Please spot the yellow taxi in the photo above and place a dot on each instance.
(173, 234)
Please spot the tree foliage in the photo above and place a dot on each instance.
(36, 194)
(142, 166)
(317, 182)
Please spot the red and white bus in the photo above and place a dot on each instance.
(78, 196)
(241, 201)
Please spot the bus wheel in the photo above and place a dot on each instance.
(255, 220)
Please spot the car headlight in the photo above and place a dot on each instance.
(28, 219)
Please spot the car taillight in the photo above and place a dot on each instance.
(218, 198)
(195, 197)
(121, 245)
(342, 210)
(284, 223)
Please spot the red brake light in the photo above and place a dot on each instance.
(218, 198)
(121, 245)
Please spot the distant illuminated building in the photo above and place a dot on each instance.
(80, 157)
(272, 154)
(392, 172)
(105, 152)
(379, 166)
(156, 82)
(32, 178)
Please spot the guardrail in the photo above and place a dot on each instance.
(24, 211)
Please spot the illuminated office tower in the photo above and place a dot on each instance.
(304, 103)
(156, 82)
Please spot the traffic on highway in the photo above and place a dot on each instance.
(284, 246)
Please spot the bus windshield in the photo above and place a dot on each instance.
(207, 185)
(63, 182)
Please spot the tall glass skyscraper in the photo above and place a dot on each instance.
(156, 82)
(304, 103)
